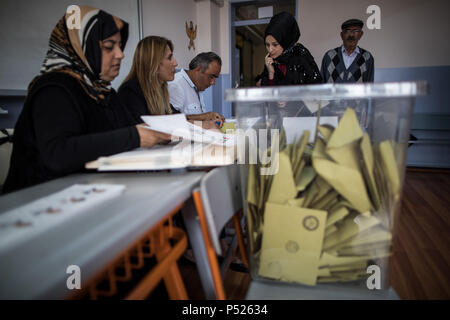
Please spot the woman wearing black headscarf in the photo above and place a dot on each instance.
(287, 62)
(71, 114)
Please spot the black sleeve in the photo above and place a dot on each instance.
(62, 138)
(312, 71)
(132, 98)
(323, 69)
(264, 77)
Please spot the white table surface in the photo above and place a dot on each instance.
(36, 269)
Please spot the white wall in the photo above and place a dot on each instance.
(225, 37)
(413, 32)
(215, 27)
(167, 18)
(25, 28)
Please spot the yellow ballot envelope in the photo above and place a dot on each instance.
(368, 170)
(283, 185)
(347, 181)
(347, 131)
(230, 126)
(291, 243)
(327, 209)
(326, 131)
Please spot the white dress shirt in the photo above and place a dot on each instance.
(184, 95)
(348, 59)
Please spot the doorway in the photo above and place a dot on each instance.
(249, 20)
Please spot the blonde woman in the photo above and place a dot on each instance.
(144, 91)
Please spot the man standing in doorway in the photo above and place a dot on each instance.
(348, 63)
(184, 90)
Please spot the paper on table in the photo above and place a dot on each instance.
(177, 125)
(214, 155)
(292, 243)
(295, 126)
(160, 157)
(167, 123)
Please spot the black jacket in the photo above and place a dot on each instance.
(300, 68)
(61, 128)
(131, 95)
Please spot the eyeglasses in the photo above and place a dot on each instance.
(350, 31)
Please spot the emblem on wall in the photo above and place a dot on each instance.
(192, 34)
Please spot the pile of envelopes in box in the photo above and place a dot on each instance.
(327, 213)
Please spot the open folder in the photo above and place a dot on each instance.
(193, 147)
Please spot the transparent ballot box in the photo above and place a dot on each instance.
(322, 170)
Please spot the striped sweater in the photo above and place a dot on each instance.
(333, 67)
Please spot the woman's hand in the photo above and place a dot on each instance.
(148, 138)
(269, 65)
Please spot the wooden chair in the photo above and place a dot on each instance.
(219, 200)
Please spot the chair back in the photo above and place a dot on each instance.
(221, 199)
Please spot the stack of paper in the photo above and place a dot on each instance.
(326, 214)
(198, 147)
(177, 126)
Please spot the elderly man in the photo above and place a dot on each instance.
(184, 90)
(348, 63)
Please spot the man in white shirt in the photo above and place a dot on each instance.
(348, 63)
(184, 90)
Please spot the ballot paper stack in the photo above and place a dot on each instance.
(327, 213)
